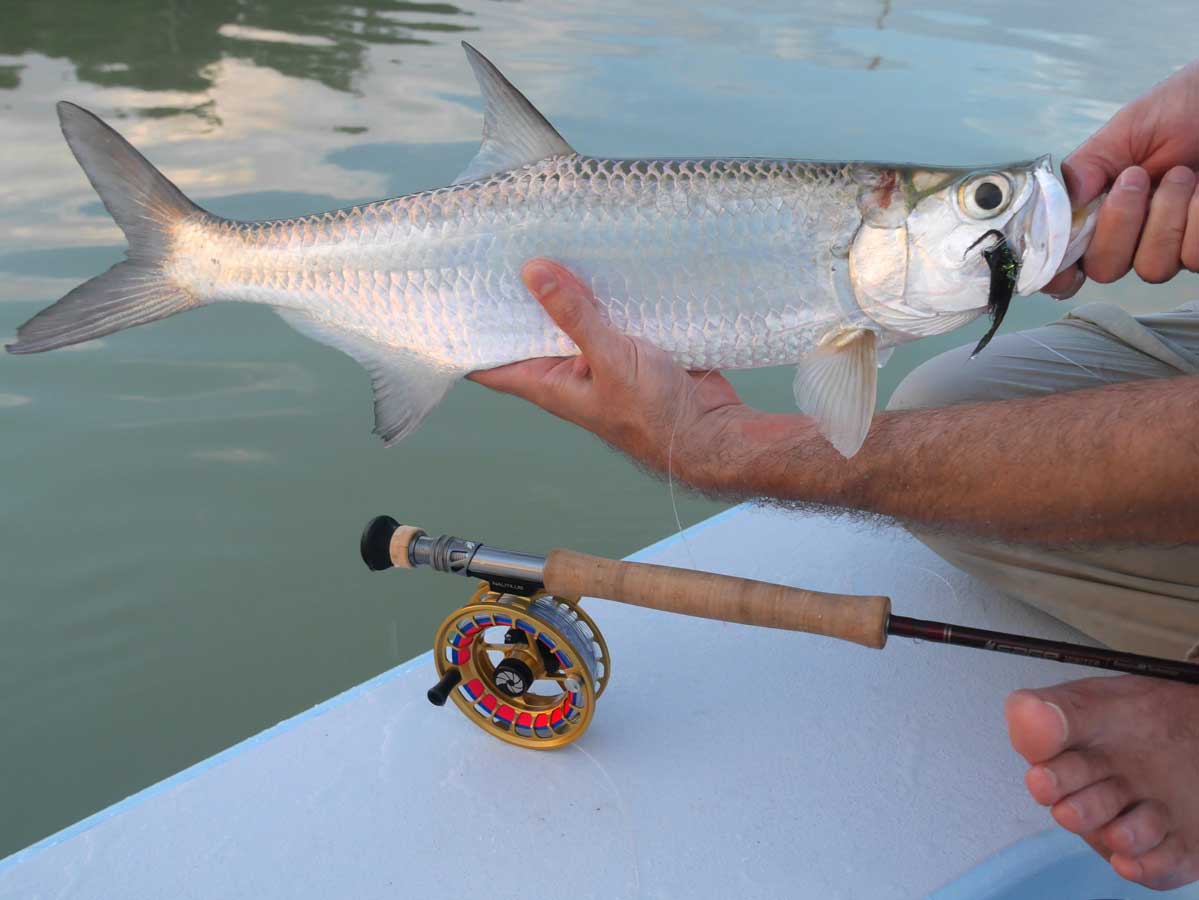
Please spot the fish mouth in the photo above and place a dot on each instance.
(1041, 231)
(1082, 227)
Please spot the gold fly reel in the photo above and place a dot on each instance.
(529, 669)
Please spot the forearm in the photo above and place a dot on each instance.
(1112, 464)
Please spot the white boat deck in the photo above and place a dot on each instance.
(723, 761)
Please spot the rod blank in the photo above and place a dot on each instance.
(1055, 651)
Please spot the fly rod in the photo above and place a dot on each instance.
(568, 575)
(865, 620)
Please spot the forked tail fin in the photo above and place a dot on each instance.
(147, 207)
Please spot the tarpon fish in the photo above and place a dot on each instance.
(725, 263)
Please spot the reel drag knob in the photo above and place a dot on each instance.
(513, 676)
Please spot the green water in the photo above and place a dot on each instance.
(180, 504)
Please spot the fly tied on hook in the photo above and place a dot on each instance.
(1005, 269)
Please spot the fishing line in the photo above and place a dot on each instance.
(625, 813)
(577, 633)
(680, 533)
(1044, 346)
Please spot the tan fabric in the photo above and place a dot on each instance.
(1140, 599)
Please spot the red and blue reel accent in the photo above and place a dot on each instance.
(546, 695)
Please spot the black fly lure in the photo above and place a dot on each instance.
(1005, 268)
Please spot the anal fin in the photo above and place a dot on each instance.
(407, 388)
(837, 385)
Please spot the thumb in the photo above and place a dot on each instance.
(1095, 163)
(1087, 175)
(572, 307)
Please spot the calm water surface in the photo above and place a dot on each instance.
(180, 504)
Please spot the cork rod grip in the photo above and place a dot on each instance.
(849, 617)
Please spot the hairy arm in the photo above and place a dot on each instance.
(1111, 464)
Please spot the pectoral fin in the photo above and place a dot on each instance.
(837, 383)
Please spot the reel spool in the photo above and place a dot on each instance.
(527, 670)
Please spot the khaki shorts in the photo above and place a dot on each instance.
(1138, 599)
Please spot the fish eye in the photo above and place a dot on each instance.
(986, 196)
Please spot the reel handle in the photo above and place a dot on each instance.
(860, 619)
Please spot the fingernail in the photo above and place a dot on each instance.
(1179, 175)
(1047, 775)
(1075, 808)
(1127, 868)
(540, 279)
(1127, 838)
(1061, 715)
(1134, 179)
(1075, 283)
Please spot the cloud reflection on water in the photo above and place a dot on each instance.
(157, 46)
(230, 96)
(12, 401)
(236, 455)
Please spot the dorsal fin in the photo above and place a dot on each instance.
(514, 132)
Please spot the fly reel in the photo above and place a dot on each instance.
(526, 669)
(524, 665)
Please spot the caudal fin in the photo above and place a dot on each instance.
(147, 207)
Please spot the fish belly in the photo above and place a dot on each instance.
(724, 263)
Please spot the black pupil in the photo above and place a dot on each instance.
(988, 195)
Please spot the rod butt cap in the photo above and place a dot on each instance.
(375, 545)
